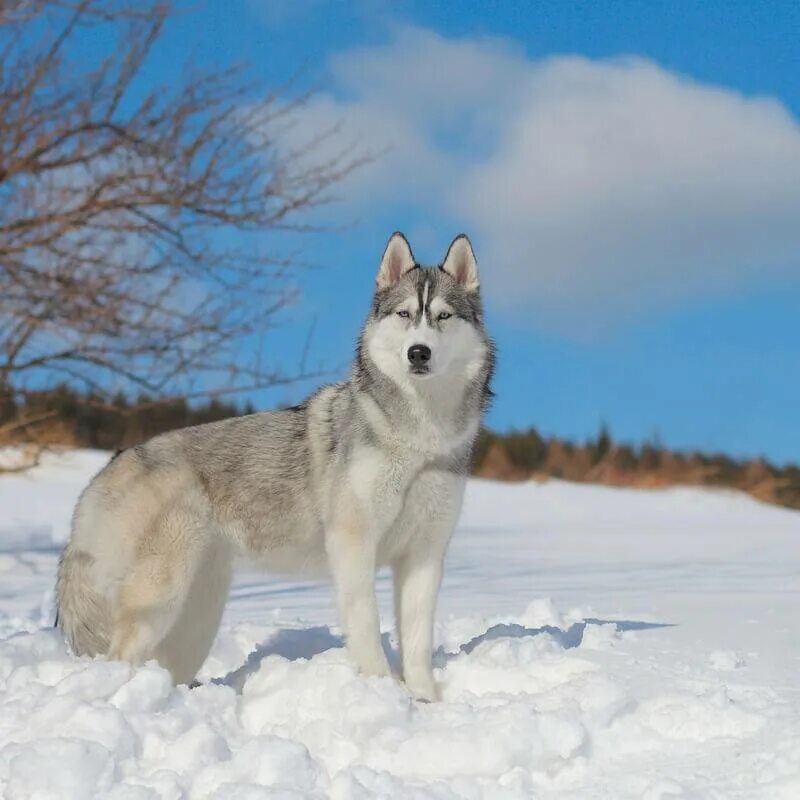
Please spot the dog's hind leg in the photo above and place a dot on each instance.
(185, 647)
(152, 598)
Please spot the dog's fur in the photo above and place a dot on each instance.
(365, 473)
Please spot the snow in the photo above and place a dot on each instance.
(592, 643)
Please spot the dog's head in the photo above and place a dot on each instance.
(427, 323)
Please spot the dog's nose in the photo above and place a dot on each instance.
(419, 354)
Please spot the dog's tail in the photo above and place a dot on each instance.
(81, 612)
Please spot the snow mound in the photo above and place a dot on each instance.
(526, 713)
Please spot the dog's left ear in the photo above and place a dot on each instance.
(397, 260)
(460, 263)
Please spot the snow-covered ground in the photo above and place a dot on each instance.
(593, 643)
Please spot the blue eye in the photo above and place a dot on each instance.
(444, 315)
(403, 314)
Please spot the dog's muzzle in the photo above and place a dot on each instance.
(419, 356)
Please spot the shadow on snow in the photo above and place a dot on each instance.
(569, 638)
(305, 643)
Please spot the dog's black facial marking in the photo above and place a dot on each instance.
(386, 300)
(426, 286)
(466, 305)
(426, 283)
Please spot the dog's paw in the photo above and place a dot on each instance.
(372, 667)
(423, 690)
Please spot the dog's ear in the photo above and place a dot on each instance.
(460, 263)
(397, 260)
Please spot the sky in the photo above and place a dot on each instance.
(628, 172)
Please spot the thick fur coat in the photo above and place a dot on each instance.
(365, 473)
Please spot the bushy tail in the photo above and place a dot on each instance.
(82, 613)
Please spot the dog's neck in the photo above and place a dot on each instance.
(436, 416)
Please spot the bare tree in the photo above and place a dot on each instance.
(138, 225)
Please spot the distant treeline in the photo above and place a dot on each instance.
(64, 417)
(522, 455)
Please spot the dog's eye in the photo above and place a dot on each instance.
(444, 315)
(403, 314)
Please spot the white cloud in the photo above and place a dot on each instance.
(595, 190)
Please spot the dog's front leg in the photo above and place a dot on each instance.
(351, 554)
(417, 577)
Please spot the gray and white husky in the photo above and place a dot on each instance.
(365, 473)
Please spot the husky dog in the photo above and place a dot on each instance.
(365, 473)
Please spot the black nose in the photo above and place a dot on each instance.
(419, 354)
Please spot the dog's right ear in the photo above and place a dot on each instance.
(397, 260)
(460, 263)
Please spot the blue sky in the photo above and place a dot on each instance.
(629, 173)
